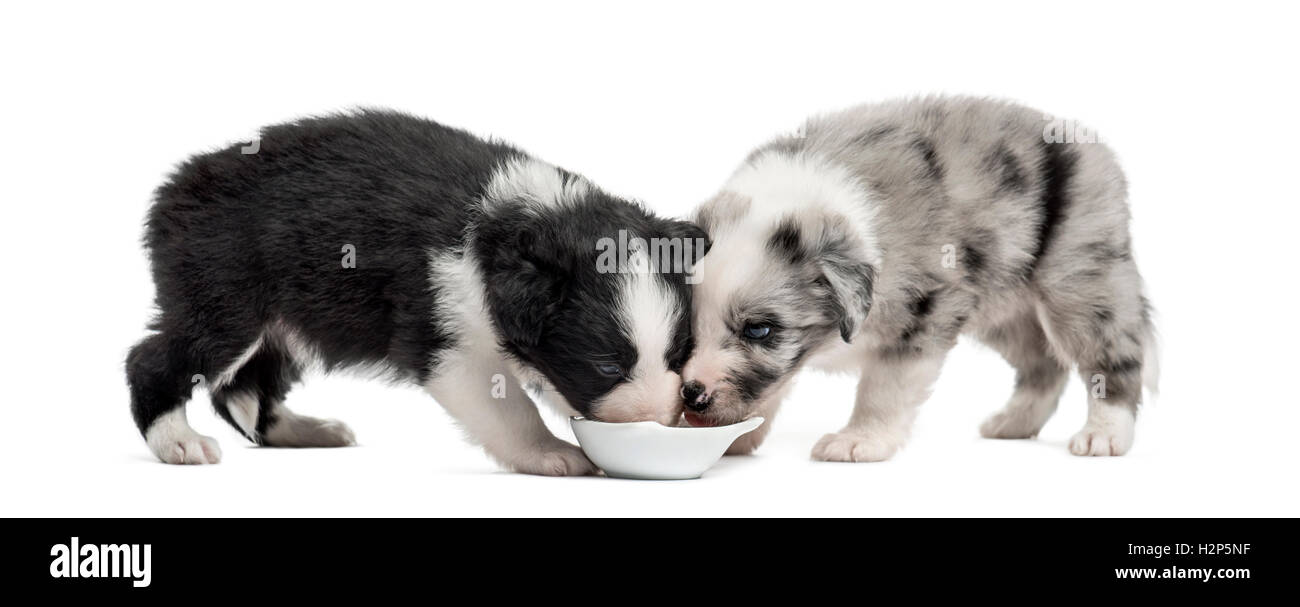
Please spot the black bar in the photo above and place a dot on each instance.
(320, 557)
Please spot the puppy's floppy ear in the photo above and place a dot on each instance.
(525, 280)
(850, 277)
(689, 244)
(721, 210)
(689, 232)
(841, 264)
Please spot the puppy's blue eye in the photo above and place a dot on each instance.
(609, 370)
(756, 331)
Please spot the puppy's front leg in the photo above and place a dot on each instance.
(750, 441)
(484, 397)
(889, 393)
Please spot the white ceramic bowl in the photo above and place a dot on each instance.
(652, 451)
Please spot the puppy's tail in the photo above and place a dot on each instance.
(1151, 351)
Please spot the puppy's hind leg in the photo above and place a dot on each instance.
(253, 402)
(284, 428)
(159, 372)
(1107, 331)
(1040, 379)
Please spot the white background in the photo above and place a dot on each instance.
(660, 103)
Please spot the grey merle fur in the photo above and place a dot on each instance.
(1037, 236)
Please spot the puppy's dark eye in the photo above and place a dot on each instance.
(609, 370)
(756, 331)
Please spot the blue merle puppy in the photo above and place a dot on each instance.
(871, 239)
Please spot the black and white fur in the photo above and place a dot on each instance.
(874, 237)
(474, 273)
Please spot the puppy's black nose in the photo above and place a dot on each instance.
(692, 390)
(693, 396)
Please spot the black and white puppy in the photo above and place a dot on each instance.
(379, 239)
(874, 237)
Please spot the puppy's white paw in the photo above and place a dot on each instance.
(293, 430)
(196, 449)
(1101, 441)
(560, 459)
(337, 433)
(846, 446)
(1010, 424)
(173, 441)
(1109, 431)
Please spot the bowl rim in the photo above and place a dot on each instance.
(756, 421)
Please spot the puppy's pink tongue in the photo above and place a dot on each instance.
(699, 421)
